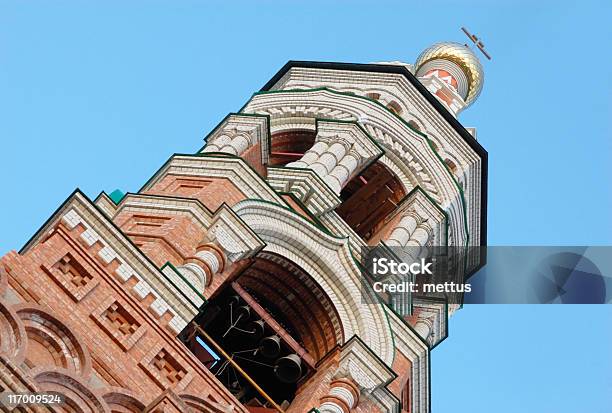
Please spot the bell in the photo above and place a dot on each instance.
(288, 369)
(257, 328)
(243, 312)
(270, 346)
(233, 301)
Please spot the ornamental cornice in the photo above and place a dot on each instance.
(391, 87)
(79, 210)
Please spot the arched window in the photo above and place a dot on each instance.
(405, 397)
(394, 107)
(290, 146)
(373, 95)
(270, 326)
(452, 166)
(414, 125)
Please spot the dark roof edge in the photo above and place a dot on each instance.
(402, 70)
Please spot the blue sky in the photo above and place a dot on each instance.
(99, 95)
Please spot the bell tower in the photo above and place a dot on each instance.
(232, 282)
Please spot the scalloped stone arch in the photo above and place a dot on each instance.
(328, 260)
(13, 336)
(50, 333)
(77, 395)
(121, 400)
(418, 159)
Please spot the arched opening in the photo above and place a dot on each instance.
(373, 95)
(394, 107)
(270, 326)
(287, 291)
(12, 335)
(50, 343)
(405, 397)
(452, 166)
(414, 125)
(368, 198)
(78, 397)
(290, 146)
(118, 401)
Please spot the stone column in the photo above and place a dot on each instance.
(343, 397)
(403, 231)
(310, 156)
(200, 268)
(335, 162)
(410, 233)
(234, 144)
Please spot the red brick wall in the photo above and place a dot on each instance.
(212, 192)
(162, 237)
(111, 339)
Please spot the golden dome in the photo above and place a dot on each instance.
(463, 57)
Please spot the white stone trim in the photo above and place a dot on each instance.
(329, 261)
(78, 210)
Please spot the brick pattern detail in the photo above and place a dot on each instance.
(161, 237)
(116, 321)
(142, 222)
(72, 277)
(216, 192)
(165, 369)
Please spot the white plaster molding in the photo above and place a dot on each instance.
(237, 239)
(433, 314)
(359, 363)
